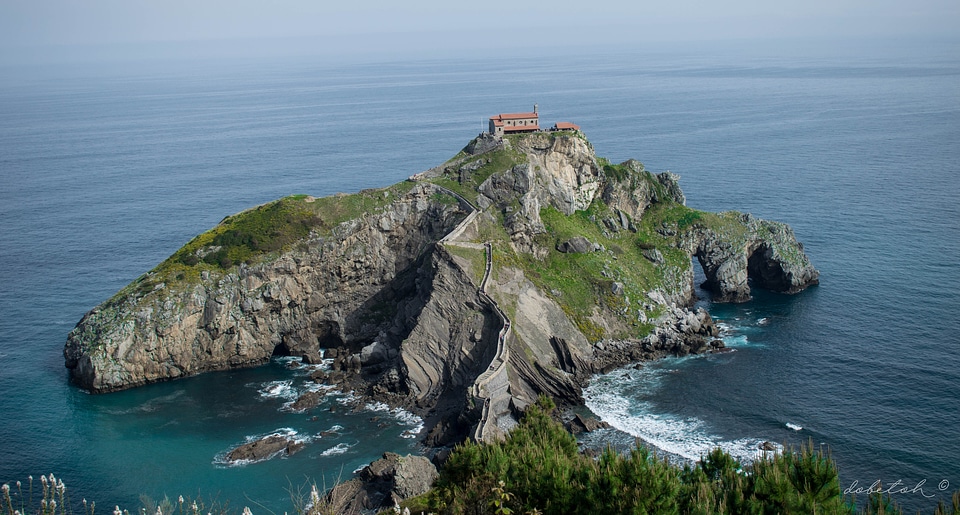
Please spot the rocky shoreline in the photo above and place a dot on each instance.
(520, 268)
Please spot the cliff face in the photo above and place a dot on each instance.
(332, 291)
(518, 268)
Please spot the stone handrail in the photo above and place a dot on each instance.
(500, 358)
(499, 362)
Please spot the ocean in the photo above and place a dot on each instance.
(107, 169)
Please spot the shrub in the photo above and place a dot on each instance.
(537, 468)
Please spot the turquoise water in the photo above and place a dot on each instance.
(108, 170)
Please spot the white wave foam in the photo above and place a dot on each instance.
(402, 416)
(377, 406)
(340, 448)
(793, 426)
(740, 340)
(348, 399)
(319, 387)
(689, 438)
(329, 391)
(286, 432)
(281, 389)
(288, 360)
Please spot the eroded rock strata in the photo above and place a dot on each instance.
(518, 268)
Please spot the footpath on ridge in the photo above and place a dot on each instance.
(492, 388)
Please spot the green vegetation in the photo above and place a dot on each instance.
(538, 469)
(475, 257)
(255, 234)
(618, 173)
(467, 183)
(264, 229)
(275, 226)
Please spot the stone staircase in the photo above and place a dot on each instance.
(492, 388)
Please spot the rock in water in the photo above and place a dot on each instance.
(264, 448)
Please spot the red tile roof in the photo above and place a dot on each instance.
(567, 126)
(514, 116)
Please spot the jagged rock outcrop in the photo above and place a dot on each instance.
(558, 172)
(681, 332)
(383, 484)
(631, 197)
(436, 296)
(581, 424)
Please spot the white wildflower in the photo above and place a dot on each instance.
(314, 496)
(180, 499)
(5, 488)
(53, 505)
(246, 511)
(159, 511)
(116, 511)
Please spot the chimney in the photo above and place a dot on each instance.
(534, 108)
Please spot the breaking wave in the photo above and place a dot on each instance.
(340, 448)
(414, 423)
(281, 389)
(688, 438)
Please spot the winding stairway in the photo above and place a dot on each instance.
(491, 389)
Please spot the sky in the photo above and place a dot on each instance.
(78, 28)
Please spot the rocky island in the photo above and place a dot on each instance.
(518, 268)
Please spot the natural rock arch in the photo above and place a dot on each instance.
(769, 255)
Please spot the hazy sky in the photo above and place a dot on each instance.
(369, 24)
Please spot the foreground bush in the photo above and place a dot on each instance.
(538, 469)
